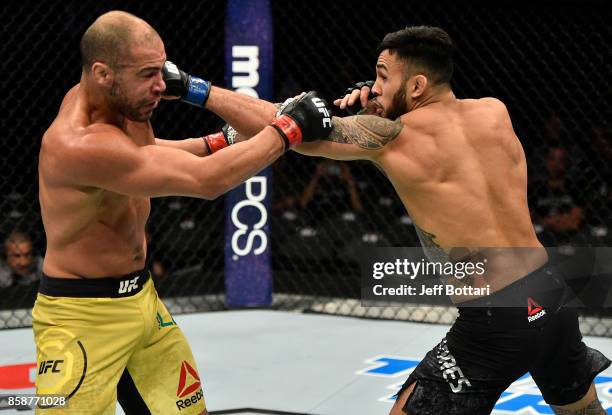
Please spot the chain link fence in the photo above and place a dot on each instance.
(41, 62)
(550, 63)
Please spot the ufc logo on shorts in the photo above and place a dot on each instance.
(321, 106)
(45, 365)
(128, 286)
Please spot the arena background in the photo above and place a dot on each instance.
(550, 63)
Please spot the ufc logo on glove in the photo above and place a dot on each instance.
(322, 108)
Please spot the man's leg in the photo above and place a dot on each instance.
(449, 381)
(83, 345)
(566, 367)
(588, 405)
(162, 376)
(401, 401)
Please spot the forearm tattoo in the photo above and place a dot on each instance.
(593, 408)
(367, 131)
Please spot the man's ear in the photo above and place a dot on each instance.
(417, 85)
(102, 74)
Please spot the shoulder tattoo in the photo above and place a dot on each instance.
(367, 131)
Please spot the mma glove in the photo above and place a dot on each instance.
(216, 141)
(227, 136)
(307, 118)
(356, 107)
(188, 88)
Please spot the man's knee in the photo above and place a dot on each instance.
(588, 404)
(400, 402)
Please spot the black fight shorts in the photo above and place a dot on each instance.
(489, 347)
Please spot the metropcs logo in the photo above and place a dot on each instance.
(254, 199)
(245, 79)
(188, 373)
(534, 310)
(522, 397)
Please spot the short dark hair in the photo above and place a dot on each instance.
(430, 48)
(106, 43)
(17, 237)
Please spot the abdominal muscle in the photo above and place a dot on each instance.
(105, 240)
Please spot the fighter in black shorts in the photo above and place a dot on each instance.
(461, 173)
(491, 345)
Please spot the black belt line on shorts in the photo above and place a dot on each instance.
(113, 287)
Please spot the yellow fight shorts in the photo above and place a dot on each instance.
(108, 339)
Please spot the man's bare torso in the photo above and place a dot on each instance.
(461, 173)
(91, 232)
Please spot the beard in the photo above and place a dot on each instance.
(399, 106)
(121, 103)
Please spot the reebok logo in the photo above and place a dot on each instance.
(183, 390)
(128, 286)
(534, 310)
(193, 384)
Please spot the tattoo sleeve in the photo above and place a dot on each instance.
(367, 131)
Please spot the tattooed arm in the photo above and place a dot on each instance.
(354, 138)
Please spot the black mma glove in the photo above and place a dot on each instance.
(356, 107)
(188, 88)
(305, 119)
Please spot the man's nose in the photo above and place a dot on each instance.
(376, 89)
(159, 85)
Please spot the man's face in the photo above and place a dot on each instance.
(138, 85)
(556, 163)
(390, 86)
(19, 257)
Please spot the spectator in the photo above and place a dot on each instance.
(600, 194)
(555, 200)
(554, 130)
(332, 189)
(21, 266)
(286, 184)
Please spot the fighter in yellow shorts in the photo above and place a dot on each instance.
(94, 334)
(102, 334)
